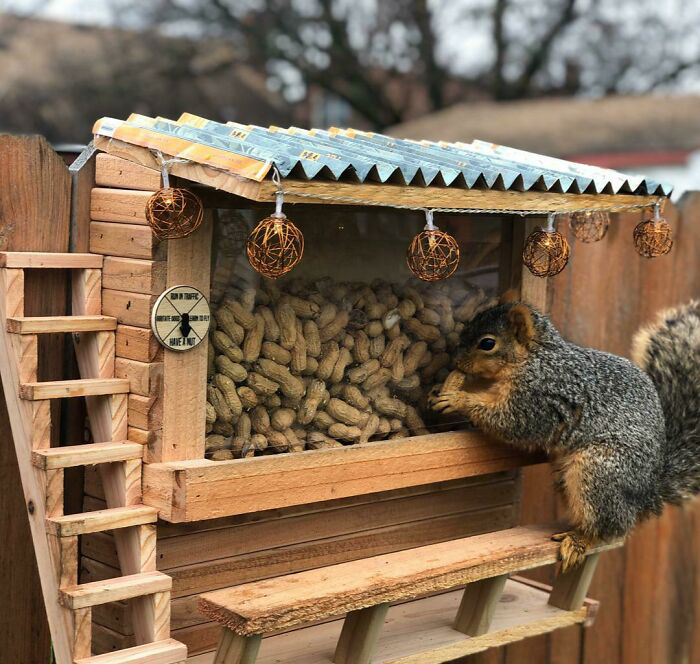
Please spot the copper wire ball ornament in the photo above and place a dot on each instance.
(275, 245)
(174, 213)
(546, 252)
(433, 255)
(590, 225)
(652, 238)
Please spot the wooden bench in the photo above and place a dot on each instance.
(365, 589)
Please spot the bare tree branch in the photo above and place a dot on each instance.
(541, 52)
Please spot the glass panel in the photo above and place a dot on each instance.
(346, 347)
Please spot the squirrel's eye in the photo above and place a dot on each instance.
(487, 343)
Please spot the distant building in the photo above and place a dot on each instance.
(658, 136)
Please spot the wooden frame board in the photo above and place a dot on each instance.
(203, 489)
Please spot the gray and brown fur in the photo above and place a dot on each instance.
(624, 440)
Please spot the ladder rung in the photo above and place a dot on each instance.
(35, 259)
(83, 387)
(101, 520)
(168, 651)
(54, 324)
(88, 454)
(114, 590)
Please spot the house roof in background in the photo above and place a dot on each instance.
(569, 127)
(355, 156)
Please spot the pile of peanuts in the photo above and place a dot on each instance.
(321, 364)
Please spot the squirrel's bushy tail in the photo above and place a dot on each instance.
(669, 351)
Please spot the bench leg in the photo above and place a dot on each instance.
(478, 604)
(360, 634)
(236, 649)
(570, 589)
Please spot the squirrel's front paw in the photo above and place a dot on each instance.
(572, 550)
(448, 402)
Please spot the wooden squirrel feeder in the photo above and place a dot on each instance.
(263, 443)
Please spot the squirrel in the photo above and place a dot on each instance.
(624, 439)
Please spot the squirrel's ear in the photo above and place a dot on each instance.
(520, 318)
(508, 297)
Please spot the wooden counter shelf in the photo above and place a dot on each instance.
(204, 489)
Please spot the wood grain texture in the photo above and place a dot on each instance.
(28, 358)
(119, 205)
(266, 606)
(420, 632)
(101, 520)
(145, 378)
(145, 412)
(126, 240)
(191, 490)
(478, 605)
(14, 292)
(129, 308)
(34, 187)
(235, 649)
(52, 260)
(57, 324)
(82, 172)
(138, 343)
(227, 571)
(112, 171)
(248, 547)
(82, 387)
(86, 292)
(359, 636)
(189, 262)
(570, 588)
(41, 425)
(134, 275)
(82, 633)
(168, 651)
(79, 455)
(114, 590)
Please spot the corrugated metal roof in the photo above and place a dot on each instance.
(356, 156)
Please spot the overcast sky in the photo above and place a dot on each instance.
(76, 11)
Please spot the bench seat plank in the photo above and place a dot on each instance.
(274, 604)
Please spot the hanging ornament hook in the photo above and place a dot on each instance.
(279, 194)
(165, 166)
(549, 228)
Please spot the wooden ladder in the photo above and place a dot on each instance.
(55, 535)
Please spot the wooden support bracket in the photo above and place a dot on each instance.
(236, 649)
(478, 605)
(570, 588)
(360, 634)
